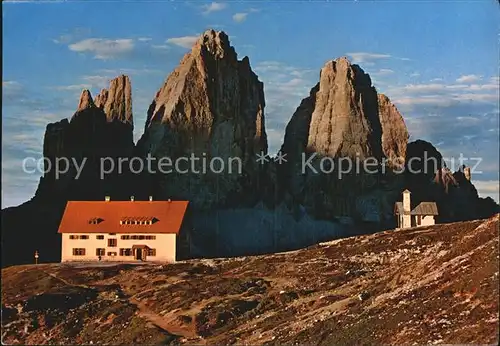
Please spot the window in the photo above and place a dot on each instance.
(111, 253)
(73, 236)
(112, 242)
(125, 252)
(138, 237)
(95, 221)
(112, 233)
(151, 252)
(78, 252)
(100, 252)
(141, 220)
(99, 237)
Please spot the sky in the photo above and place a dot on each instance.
(437, 61)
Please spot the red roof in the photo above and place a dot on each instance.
(119, 216)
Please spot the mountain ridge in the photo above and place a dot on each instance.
(213, 103)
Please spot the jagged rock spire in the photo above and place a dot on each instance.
(118, 105)
(85, 101)
(212, 103)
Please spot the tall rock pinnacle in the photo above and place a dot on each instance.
(211, 103)
(85, 101)
(342, 117)
(117, 100)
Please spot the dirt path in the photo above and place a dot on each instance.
(168, 325)
(66, 282)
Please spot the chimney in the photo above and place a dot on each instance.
(132, 198)
(150, 198)
(106, 198)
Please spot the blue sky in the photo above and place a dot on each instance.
(437, 61)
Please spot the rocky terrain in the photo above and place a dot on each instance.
(427, 285)
(212, 105)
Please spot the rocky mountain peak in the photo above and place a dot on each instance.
(212, 103)
(345, 119)
(85, 101)
(215, 43)
(118, 105)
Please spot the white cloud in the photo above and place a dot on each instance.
(360, 57)
(383, 72)
(63, 39)
(103, 48)
(213, 7)
(97, 81)
(370, 58)
(184, 41)
(415, 74)
(240, 17)
(129, 71)
(73, 87)
(423, 88)
(433, 88)
(470, 78)
(144, 39)
(160, 46)
(476, 97)
(474, 87)
(74, 34)
(436, 101)
(443, 100)
(11, 85)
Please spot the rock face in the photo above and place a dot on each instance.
(117, 101)
(343, 117)
(394, 131)
(101, 98)
(212, 107)
(345, 120)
